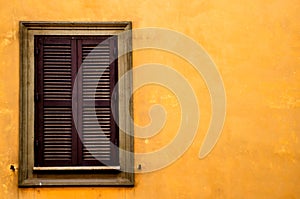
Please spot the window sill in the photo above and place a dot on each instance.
(77, 182)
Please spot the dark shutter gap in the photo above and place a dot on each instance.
(115, 101)
(75, 136)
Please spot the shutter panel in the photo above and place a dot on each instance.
(54, 80)
(56, 139)
(98, 80)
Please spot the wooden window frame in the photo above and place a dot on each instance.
(73, 176)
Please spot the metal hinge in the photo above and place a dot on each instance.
(115, 51)
(36, 51)
(36, 97)
(115, 97)
(36, 143)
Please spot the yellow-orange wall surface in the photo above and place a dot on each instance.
(255, 45)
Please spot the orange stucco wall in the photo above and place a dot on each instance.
(256, 47)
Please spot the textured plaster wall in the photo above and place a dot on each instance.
(256, 47)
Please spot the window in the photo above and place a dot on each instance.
(68, 134)
(59, 141)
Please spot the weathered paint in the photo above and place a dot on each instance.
(255, 45)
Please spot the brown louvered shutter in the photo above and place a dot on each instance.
(54, 124)
(98, 63)
(57, 141)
